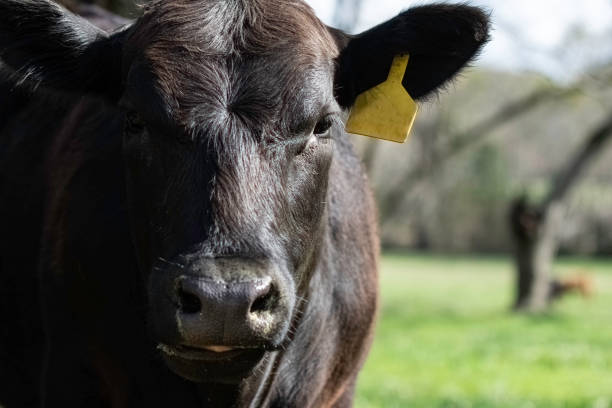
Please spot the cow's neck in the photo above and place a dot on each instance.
(302, 360)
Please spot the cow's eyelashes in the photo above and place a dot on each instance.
(133, 122)
(322, 127)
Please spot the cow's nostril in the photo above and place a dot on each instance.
(188, 302)
(265, 301)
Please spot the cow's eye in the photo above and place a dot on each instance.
(133, 122)
(323, 126)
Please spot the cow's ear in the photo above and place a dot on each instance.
(440, 40)
(43, 44)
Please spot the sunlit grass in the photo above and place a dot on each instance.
(446, 338)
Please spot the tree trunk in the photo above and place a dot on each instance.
(536, 246)
(534, 229)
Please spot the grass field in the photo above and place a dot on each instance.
(446, 338)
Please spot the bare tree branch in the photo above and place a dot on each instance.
(569, 175)
(389, 205)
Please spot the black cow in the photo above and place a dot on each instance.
(184, 222)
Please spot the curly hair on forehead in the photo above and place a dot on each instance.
(226, 27)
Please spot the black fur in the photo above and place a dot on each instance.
(41, 44)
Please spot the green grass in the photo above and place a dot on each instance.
(446, 338)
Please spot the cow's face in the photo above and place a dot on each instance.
(228, 145)
(231, 109)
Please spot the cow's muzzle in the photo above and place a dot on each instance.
(212, 313)
(223, 312)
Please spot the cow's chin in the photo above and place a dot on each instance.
(214, 365)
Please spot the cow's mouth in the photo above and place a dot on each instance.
(210, 353)
(213, 363)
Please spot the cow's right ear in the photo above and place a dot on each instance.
(44, 45)
(440, 39)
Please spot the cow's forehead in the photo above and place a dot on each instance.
(260, 90)
(254, 57)
(224, 27)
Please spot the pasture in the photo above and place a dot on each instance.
(445, 338)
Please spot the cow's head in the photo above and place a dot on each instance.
(231, 109)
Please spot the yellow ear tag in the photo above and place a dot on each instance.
(386, 111)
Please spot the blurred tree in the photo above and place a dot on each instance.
(534, 227)
(442, 149)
